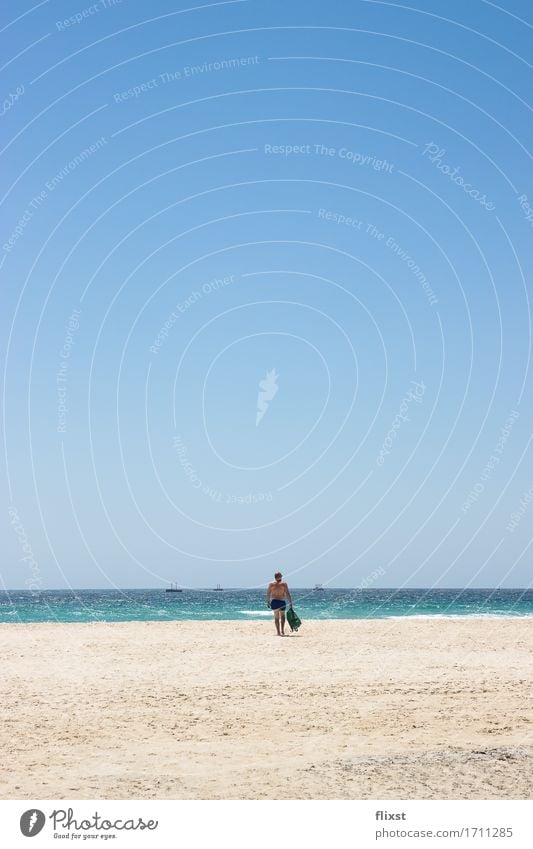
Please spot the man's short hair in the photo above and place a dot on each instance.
(278, 575)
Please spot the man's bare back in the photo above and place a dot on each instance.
(278, 589)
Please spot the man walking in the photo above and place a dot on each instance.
(277, 592)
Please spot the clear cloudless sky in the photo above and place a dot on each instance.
(324, 209)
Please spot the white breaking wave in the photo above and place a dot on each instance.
(256, 612)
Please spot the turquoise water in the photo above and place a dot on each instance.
(158, 605)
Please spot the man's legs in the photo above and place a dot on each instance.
(276, 620)
(282, 614)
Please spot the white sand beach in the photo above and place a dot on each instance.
(419, 708)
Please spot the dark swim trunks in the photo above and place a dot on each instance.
(277, 604)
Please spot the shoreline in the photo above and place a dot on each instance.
(261, 617)
(386, 708)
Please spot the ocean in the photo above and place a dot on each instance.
(230, 604)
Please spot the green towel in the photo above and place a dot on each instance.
(293, 619)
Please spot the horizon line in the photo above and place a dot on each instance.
(225, 589)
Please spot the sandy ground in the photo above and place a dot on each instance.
(385, 709)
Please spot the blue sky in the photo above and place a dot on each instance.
(336, 195)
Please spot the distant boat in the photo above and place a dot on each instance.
(174, 589)
(219, 589)
(318, 588)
